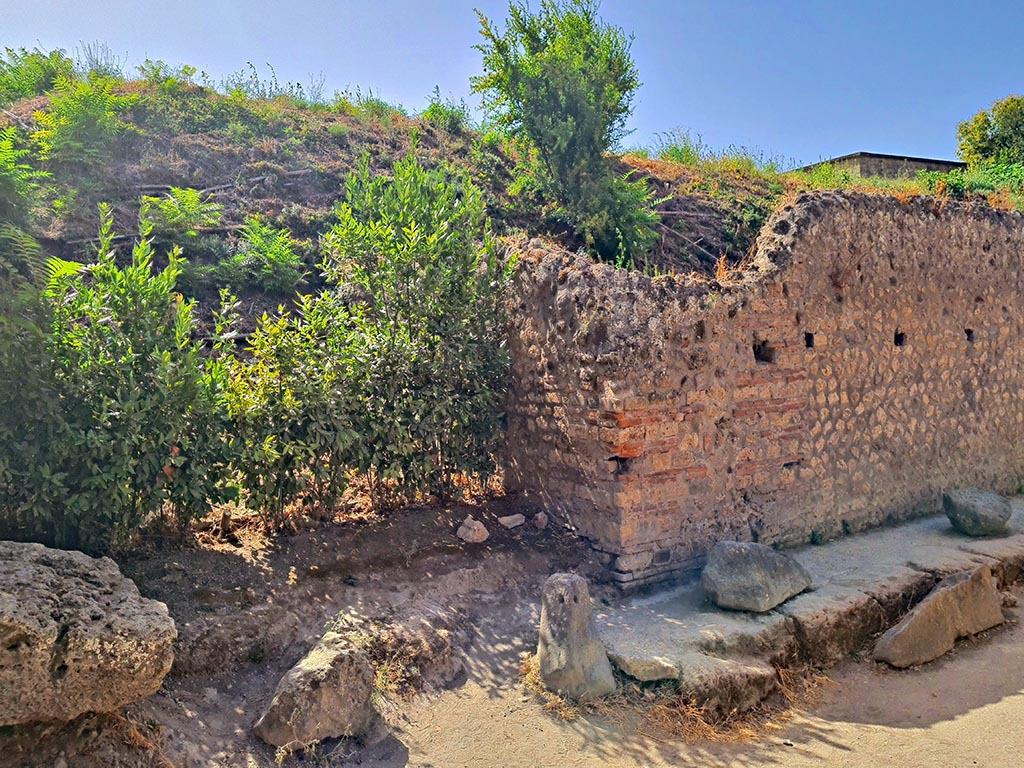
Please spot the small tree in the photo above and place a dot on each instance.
(994, 135)
(564, 80)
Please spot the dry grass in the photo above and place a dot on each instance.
(141, 736)
(660, 712)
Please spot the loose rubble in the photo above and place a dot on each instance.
(975, 512)
(326, 695)
(960, 605)
(751, 577)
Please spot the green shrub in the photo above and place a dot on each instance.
(416, 256)
(994, 135)
(445, 114)
(24, 73)
(264, 259)
(160, 75)
(115, 422)
(292, 405)
(366, 105)
(83, 123)
(181, 213)
(565, 80)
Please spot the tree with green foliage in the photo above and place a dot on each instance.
(994, 135)
(564, 80)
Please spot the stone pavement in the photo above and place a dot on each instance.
(862, 585)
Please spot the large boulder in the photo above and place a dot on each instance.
(75, 636)
(326, 695)
(751, 577)
(572, 658)
(961, 605)
(975, 512)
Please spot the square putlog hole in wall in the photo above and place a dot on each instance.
(899, 339)
(764, 352)
(969, 333)
(809, 340)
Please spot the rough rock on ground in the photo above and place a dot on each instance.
(572, 658)
(472, 531)
(751, 577)
(326, 695)
(960, 605)
(975, 512)
(75, 636)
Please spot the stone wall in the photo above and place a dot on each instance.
(869, 357)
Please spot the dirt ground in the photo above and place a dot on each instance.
(246, 613)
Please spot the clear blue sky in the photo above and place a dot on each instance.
(798, 79)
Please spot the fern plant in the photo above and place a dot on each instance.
(181, 212)
(83, 121)
(24, 73)
(21, 258)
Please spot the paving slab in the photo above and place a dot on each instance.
(862, 584)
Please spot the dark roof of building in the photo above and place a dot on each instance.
(884, 156)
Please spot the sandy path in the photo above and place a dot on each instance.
(960, 711)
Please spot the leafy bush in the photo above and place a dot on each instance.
(181, 212)
(366, 105)
(24, 73)
(166, 78)
(111, 419)
(448, 115)
(429, 363)
(981, 179)
(291, 406)
(82, 123)
(397, 370)
(264, 258)
(565, 80)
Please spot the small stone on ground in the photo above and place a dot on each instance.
(326, 695)
(512, 521)
(472, 531)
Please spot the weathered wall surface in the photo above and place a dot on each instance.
(871, 358)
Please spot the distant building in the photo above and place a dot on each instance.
(887, 166)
